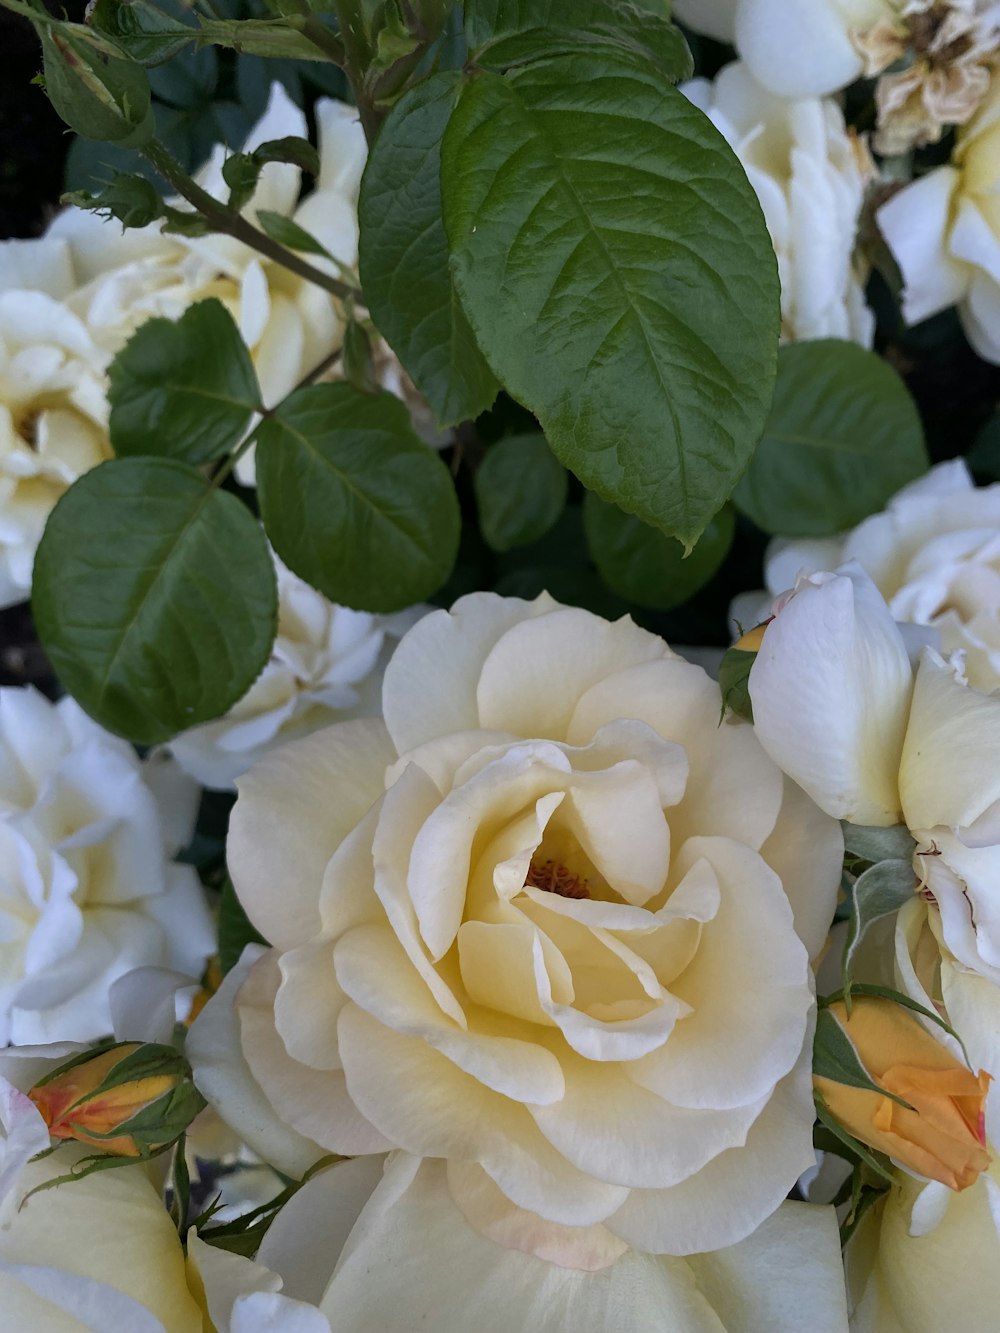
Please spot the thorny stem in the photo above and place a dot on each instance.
(233, 224)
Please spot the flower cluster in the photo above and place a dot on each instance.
(937, 65)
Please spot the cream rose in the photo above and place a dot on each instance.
(934, 554)
(810, 174)
(326, 665)
(549, 921)
(376, 1243)
(944, 230)
(53, 423)
(926, 1259)
(382, 1250)
(88, 888)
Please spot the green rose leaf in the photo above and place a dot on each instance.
(184, 389)
(154, 597)
(843, 436)
(617, 273)
(353, 501)
(486, 20)
(404, 257)
(520, 491)
(642, 565)
(642, 37)
(142, 30)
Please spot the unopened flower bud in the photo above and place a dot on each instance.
(943, 1137)
(99, 92)
(131, 1100)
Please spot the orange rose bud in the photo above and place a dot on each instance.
(944, 1136)
(131, 1100)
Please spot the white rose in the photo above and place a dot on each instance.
(807, 48)
(809, 173)
(543, 921)
(926, 1260)
(326, 665)
(933, 56)
(88, 890)
(53, 423)
(934, 554)
(944, 232)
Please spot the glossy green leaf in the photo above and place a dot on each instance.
(842, 437)
(154, 597)
(353, 501)
(643, 565)
(404, 257)
(183, 389)
(142, 30)
(616, 270)
(520, 491)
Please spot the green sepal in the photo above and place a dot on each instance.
(835, 1057)
(734, 681)
(886, 993)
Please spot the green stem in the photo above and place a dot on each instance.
(233, 224)
(324, 40)
(227, 467)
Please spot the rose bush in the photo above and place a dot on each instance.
(549, 921)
